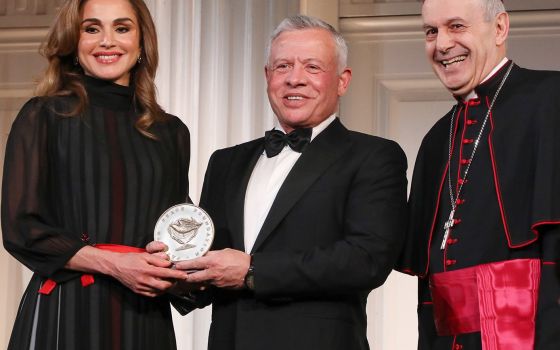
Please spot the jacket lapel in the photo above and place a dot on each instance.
(241, 169)
(325, 149)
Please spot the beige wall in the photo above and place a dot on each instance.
(22, 27)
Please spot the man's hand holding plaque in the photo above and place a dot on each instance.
(182, 232)
(226, 268)
(186, 230)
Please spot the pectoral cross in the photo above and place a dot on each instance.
(447, 226)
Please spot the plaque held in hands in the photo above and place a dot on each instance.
(187, 230)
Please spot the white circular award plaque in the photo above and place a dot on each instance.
(187, 230)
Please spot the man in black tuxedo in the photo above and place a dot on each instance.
(308, 219)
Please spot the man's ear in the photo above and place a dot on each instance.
(502, 28)
(266, 72)
(344, 80)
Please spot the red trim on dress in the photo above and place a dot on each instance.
(498, 190)
(87, 279)
(540, 223)
(461, 145)
(459, 179)
(434, 220)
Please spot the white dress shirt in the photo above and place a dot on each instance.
(267, 178)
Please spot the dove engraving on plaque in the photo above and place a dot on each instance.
(183, 231)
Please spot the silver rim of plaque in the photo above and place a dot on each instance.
(187, 230)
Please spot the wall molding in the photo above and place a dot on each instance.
(15, 90)
(22, 37)
(525, 23)
(413, 88)
(394, 88)
(28, 13)
(369, 8)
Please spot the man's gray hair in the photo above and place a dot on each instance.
(491, 8)
(301, 22)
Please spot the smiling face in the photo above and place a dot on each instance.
(109, 44)
(461, 45)
(303, 80)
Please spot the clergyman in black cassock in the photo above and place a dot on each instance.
(484, 214)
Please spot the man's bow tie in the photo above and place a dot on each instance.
(276, 140)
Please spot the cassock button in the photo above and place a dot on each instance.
(465, 161)
(458, 347)
(471, 121)
(451, 241)
(461, 181)
(474, 102)
(450, 262)
(468, 141)
(460, 201)
(456, 221)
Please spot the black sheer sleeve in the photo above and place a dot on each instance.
(30, 229)
(184, 152)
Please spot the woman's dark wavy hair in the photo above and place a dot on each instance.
(63, 77)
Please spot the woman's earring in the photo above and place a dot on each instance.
(139, 60)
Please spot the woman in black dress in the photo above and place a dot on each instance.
(90, 164)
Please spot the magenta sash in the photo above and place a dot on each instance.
(498, 299)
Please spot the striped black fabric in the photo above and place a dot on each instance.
(71, 181)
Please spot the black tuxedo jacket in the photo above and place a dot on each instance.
(332, 235)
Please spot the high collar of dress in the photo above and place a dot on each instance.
(108, 94)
